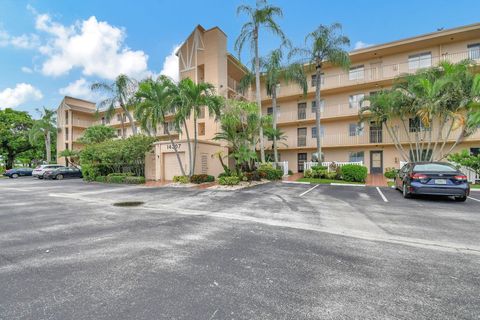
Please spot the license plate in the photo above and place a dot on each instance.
(440, 181)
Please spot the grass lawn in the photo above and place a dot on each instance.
(391, 183)
(326, 181)
(475, 186)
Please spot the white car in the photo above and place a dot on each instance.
(40, 170)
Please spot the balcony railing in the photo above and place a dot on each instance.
(369, 137)
(82, 123)
(329, 111)
(372, 74)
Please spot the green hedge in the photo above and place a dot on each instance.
(120, 179)
(354, 173)
(201, 178)
(180, 179)
(390, 173)
(270, 172)
(229, 181)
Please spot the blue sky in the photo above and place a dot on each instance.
(51, 48)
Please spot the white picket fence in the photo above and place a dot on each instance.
(309, 164)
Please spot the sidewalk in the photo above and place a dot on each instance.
(376, 180)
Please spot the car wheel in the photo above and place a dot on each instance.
(461, 199)
(405, 193)
(59, 177)
(40, 177)
(15, 176)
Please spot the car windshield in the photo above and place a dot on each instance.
(443, 167)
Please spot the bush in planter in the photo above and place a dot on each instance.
(354, 173)
(134, 180)
(252, 176)
(270, 172)
(318, 167)
(180, 179)
(102, 179)
(331, 175)
(201, 178)
(390, 173)
(115, 179)
(319, 173)
(229, 181)
(121, 174)
(308, 173)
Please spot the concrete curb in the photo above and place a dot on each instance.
(326, 184)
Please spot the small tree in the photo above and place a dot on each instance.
(14, 134)
(97, 134)
(466, 159)
(44, 127)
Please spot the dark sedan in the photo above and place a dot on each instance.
(18, 172)
(63, 173)
(432, 178)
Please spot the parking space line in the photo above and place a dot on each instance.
(474, 199)
(382, 195)
(304, 193)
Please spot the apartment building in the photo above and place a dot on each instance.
(203, 57)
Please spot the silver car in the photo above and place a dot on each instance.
(40, 170)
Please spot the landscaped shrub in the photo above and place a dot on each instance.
(229, 181)
(201, 178)
(253, 176)
(102, 179)
(331, 175)
(120, 174)
(134, 180)
(319, 173)
(318, 167)
(223, 174)
(115, 179)
(390, 173)
(180, 179)
(308, 173)
(354, 173)
(290, 172)
(270, 172)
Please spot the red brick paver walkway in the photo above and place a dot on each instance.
(376, 180)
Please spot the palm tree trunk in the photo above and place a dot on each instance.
(459, 139)
(132, 123)
(317, 111)
(274, 124)
(48, 146)
(195, 141)
(189, 147)
(257, 93)
(439, 135)
(174, 145)
(445, 139)
(123, 126)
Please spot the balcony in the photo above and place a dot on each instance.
(234, 86)
(380, 72)
(82, 123)
(368, 137)
(329, 111)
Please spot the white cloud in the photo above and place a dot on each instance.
(25, 41)
(95, 47)
(22, 93)
(27, 70)
(81, 89)
(361, 45)
(170, 65)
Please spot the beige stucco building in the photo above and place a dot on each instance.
(203, 57)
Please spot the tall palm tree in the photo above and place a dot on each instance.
(274, 72)
(323, 45)
(121, 93)
(155, 103)
(189, 101)
(44, 127)
(261, 16)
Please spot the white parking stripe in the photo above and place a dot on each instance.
(304, 193)
(474, 199)
(382, 195)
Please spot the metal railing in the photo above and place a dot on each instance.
(329, 111)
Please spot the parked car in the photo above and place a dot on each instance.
(63, 173)
(432, 178)
(18, 172)
(40, 170)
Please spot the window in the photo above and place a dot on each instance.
(170, 126)
(66, 117)
(355, 100)
(355, 129)
(66, 134)
(201, 115)
(270, 111)
(301, 137)
(475, 151)
(201, 129)
(356, 156)
(119, 132)
(314, 132)
(119, 117)
(314, 79)
(421, 60)
(415, 125)
(66, 146)
(474, 51)
(103, 120)
(322, 106)
(302, 111)
(356, 73)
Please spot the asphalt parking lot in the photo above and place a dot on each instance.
(275, 251)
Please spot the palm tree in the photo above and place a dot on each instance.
(44, 128)
(155, 103)
(121, 94)
(323, 45)
(274, 72)
(261, 16)
(189, 101)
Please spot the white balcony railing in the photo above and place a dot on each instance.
(329, 111)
